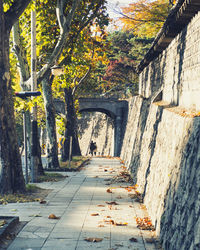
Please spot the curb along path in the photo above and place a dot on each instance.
(94, 210)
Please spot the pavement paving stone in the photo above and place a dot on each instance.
(60, 244)
(27, 243)
(82, 203)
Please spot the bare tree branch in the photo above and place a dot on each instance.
(20, 54)
(65, 23)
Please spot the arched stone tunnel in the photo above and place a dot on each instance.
(114, 108)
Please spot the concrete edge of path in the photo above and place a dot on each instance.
(10, 222)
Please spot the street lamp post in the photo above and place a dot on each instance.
(57, 71)
(24, 95)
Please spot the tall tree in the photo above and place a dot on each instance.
(11, 178)
(72, 18)
(125, 51)
(83, 60)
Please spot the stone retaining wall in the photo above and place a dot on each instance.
(162, 150)
(176, 71)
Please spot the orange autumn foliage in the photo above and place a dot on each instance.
(145, 17)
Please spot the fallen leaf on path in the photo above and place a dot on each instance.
(101, 226)
(111, 203)
(108, 216)
(53, 216)
(109, 190)
(35, 215)
(133, 239)
(145, 223)
(93, 239)
(109, 179)
(119, 245)
(95, 214)
(2, 223)
(100, 205)
(122, 224)
(105, 170)
(109, 222)
(43, 202)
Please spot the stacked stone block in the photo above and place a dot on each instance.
(177, 69)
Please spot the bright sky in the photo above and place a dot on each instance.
(115, 4)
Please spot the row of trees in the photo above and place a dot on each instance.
(65, 38)
(59, 28)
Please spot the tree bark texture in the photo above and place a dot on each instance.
(52, 146)
(11, 175)
(70, 127)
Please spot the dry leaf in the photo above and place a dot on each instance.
(144, 223)
(101, 225)
(109, 222)
(121, 224)
(119, 245)
(93, 239)
(100, 205)
(35, 215)
(95, 214)
(111, 203)
(108, 216)
(133, 239)
(2, 223)
(43, 202)
(109, 190)
(53, 216)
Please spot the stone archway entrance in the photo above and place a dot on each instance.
(114, 108)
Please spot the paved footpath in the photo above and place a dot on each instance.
(80, 202)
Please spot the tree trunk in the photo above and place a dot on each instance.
(40, 167)
(11, 175)
(70, 127)
(52, 146)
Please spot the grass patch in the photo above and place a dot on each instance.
(33, 193)
(74, 164)
(48, 177)
(16, 198)
(31, 188)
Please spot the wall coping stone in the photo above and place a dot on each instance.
(179, 17)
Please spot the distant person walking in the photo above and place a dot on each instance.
(93, 148)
